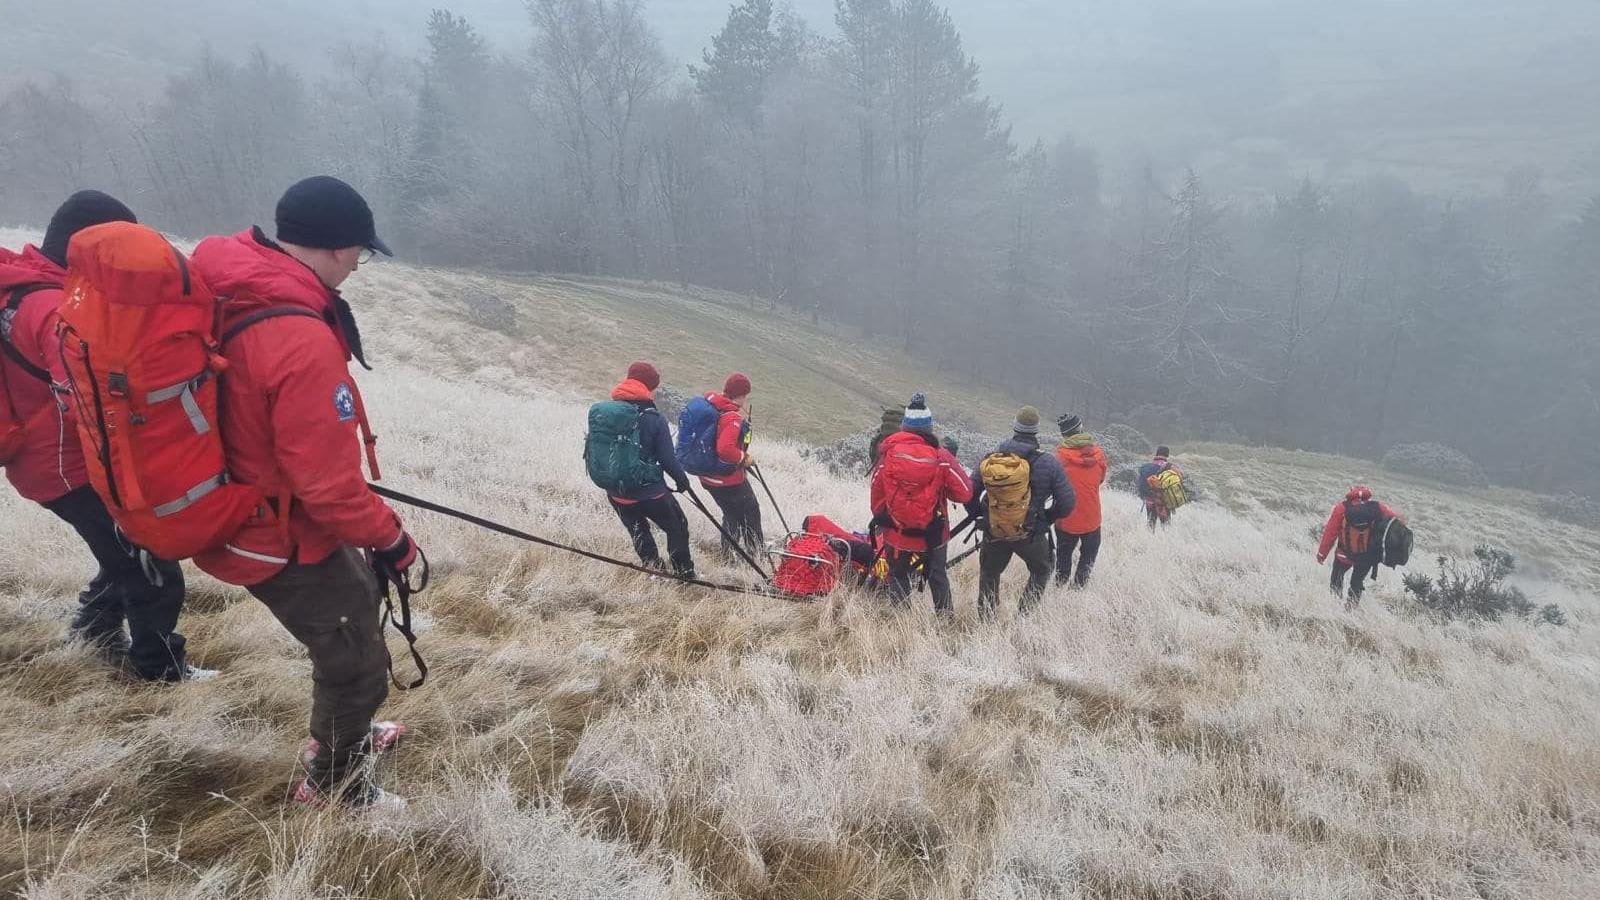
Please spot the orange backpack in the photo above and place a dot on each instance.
(1360, 521)
(138, 337)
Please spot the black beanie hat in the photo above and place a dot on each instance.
(325, 213)
(1070, 424)
(85, 209)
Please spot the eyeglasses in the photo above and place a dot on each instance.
(367, 255)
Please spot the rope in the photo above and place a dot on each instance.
(508, 531)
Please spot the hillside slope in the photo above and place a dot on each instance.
(1202, 721)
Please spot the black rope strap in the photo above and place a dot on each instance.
(508, 531)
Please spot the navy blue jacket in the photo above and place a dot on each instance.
(1145, 471)
(1047, 481)
(655, 437)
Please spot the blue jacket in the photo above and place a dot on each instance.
(1047, 482)
(1153, 467)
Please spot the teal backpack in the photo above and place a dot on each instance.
(615, 458)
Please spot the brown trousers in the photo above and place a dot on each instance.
(333, 608)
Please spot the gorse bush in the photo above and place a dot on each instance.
(1435, 461)
(1476, 590)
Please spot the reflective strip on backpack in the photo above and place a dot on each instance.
(183, 391)
(191, 496)
(258, 557)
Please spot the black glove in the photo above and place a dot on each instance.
(683, 485)
(396, 561)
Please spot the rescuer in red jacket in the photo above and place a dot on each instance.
(913, 481)
(294, 425)
(46, 464)
(741, 512)
(1353, 527)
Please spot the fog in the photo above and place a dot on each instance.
(1342, 227)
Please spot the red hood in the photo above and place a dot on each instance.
(28, 267)
(906, 437)
(723, 404)
(253, 273)
(633, 391)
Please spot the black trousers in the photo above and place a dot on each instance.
(1358, 578)
(996, 556)
(1066, 544)
(667, 515)
(741, 517)
(122, 592)
(935, 567)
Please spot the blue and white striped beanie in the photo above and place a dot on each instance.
(918, 416)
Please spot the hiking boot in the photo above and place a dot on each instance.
(196, 673)
(385, 736)
(366, 798)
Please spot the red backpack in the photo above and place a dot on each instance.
(914, 486)
(14, 426)
(140, 346)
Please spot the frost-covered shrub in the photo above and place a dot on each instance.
(491, 311)
(671, 401)
(1125, 440)
(1435, 461)
(1572, 508)
(1476, 590)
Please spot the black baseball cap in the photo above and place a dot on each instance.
(324, 212)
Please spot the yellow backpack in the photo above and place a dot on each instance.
(1169, 489)
(1009, 494)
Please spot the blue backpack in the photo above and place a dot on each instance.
(697, 440)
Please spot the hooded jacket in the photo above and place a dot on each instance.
(292, 416)
(957, 489)
(1085, 465)
(50, 462)
(655, 437)
(733, 439)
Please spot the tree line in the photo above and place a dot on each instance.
(863, 180)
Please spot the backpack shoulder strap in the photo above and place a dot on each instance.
(261, 315)
(13, 303)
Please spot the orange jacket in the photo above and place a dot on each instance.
(292, 417)
(1086, 469)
